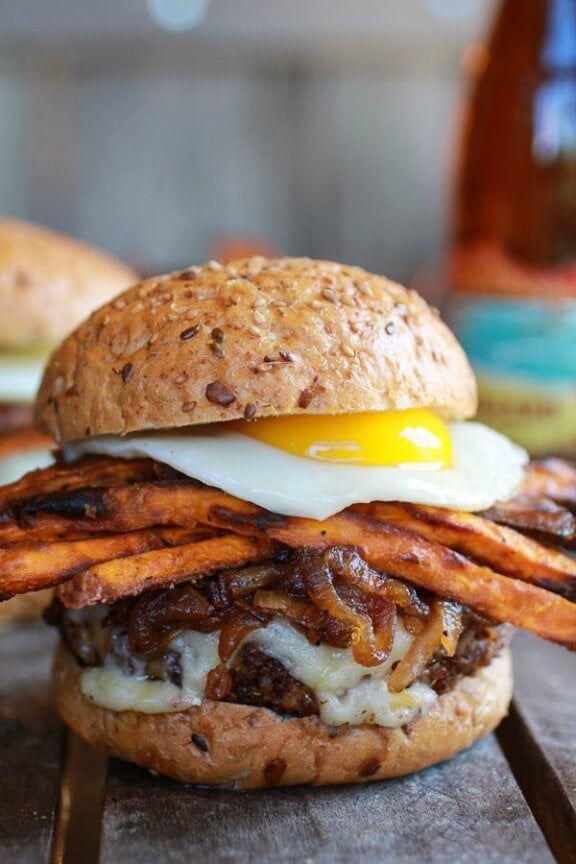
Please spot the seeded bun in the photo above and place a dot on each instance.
(248, 748)
(48, 283)
(254, 338)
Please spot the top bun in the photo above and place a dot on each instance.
(254, 338)
(48, 283)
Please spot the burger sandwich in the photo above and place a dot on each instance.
(48, 284)
(282, 552)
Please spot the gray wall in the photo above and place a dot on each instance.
(153, 148)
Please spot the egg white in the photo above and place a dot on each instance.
(487, 468)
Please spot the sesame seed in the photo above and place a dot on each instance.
(365, 290)
(119, 303)
(305, 399)
(347, 349)
(390, 328)
(249, 411)
(316, 304)
(347, 301)
(214, 265)
(187, 407)
(218, 334)
(329, 295)
(260, 301)
(254, 331)
(189, 333)
(181, 378)
(355, 326)
(259, 317)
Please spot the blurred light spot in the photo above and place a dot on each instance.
(178, 15)
(453, 10)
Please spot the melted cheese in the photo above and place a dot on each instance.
(346, 692)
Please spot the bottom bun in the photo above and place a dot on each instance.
(23, 607)
(222, 744)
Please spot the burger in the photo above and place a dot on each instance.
(282, 553)
(48, 284)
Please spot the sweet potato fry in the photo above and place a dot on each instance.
(538, 517)
(91, 471)
(31, 568)
(124, 508)
(497, 546)
(551, 478)
(105, 583)
(447, 573)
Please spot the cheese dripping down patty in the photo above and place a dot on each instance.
(314, 467)
(346, 691)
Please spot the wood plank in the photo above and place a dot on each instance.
(468, 810)
(31, 745)
(539, 738)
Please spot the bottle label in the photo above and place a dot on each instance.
(523, 350)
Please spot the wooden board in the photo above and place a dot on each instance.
(30, 747)
(539, 738)
(467, 811)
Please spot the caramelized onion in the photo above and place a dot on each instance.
(155, 619)
(352, 567)
(318, 626)
(318, 577)
(242, 582)
(235, 631)
(440, 625)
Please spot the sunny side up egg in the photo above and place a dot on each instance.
(314, 466)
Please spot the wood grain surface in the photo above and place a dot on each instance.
(539, 738)
(31, 745)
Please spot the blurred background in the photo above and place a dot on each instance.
(157, 129)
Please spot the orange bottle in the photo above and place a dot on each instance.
(512, 265)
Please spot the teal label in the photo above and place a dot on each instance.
(524, 355)
(529, 339)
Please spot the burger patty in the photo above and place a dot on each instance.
(256, 678)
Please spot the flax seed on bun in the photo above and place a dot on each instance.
(245, 747)
(254, 338)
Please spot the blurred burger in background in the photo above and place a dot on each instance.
(48, 284)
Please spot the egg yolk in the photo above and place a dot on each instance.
(412, 437)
